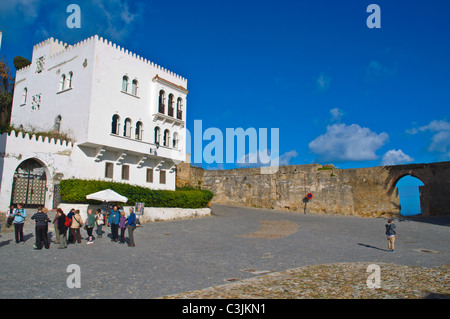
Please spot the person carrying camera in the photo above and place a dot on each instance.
(390, 233)
(19, 220)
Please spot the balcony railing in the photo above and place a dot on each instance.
(179, 114)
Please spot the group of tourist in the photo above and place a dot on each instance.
(72, 223)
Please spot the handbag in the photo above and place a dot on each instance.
(9, 221)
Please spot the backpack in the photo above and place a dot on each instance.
(68, 222)
(389, 230)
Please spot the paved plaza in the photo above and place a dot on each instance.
(231, 245)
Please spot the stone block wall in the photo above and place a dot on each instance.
(362, 191)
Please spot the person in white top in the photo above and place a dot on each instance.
(99, 220)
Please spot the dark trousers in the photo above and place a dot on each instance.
(130, 235)
(70, 235)
(42, 236)
(18, 232)
(89, 232)
(114, 232)
(99, 230)
(122, 235)
(76, 235)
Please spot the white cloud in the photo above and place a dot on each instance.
(347, 143)
(113, 19)
(118, 18)
(440, 141)
(336, 114)
(436, 126)
(285, 159)
(395, 157)
(20, 11)
(412, 131)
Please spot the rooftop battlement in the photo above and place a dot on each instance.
(58, 48)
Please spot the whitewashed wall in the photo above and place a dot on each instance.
(86, 110)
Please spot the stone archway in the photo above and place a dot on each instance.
(431, 175)
(29, 184)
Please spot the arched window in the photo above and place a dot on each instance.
(157, 135)
(127, 128)
(162, 96)
(170, 108)
(175, 140)
(24, 96)
(115, 125)
(70, 76)
(179, 108)
(138, 131)
(62, 82)
(125, 83)
(134, 87)
(58, 123)
(166, 138)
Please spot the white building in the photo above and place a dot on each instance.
(125, 117)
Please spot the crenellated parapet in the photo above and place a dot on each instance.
(34, 138)
(60, 48)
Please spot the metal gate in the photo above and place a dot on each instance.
(29, 184)
(409, 198)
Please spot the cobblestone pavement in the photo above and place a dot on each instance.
(335, 281)
(240, 247)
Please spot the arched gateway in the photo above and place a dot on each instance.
(29, 184)
(409, 195)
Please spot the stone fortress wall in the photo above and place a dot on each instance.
(366, 192)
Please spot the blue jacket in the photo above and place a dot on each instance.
(114, 217)
(19, 219)
(131, 220)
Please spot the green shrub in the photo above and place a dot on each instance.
(75, 191)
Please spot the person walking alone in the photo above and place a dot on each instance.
(113, 221)
(100, 222)
(390, 233)
(42, 221)
(19, 220)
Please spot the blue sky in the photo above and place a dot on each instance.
(338, 91)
